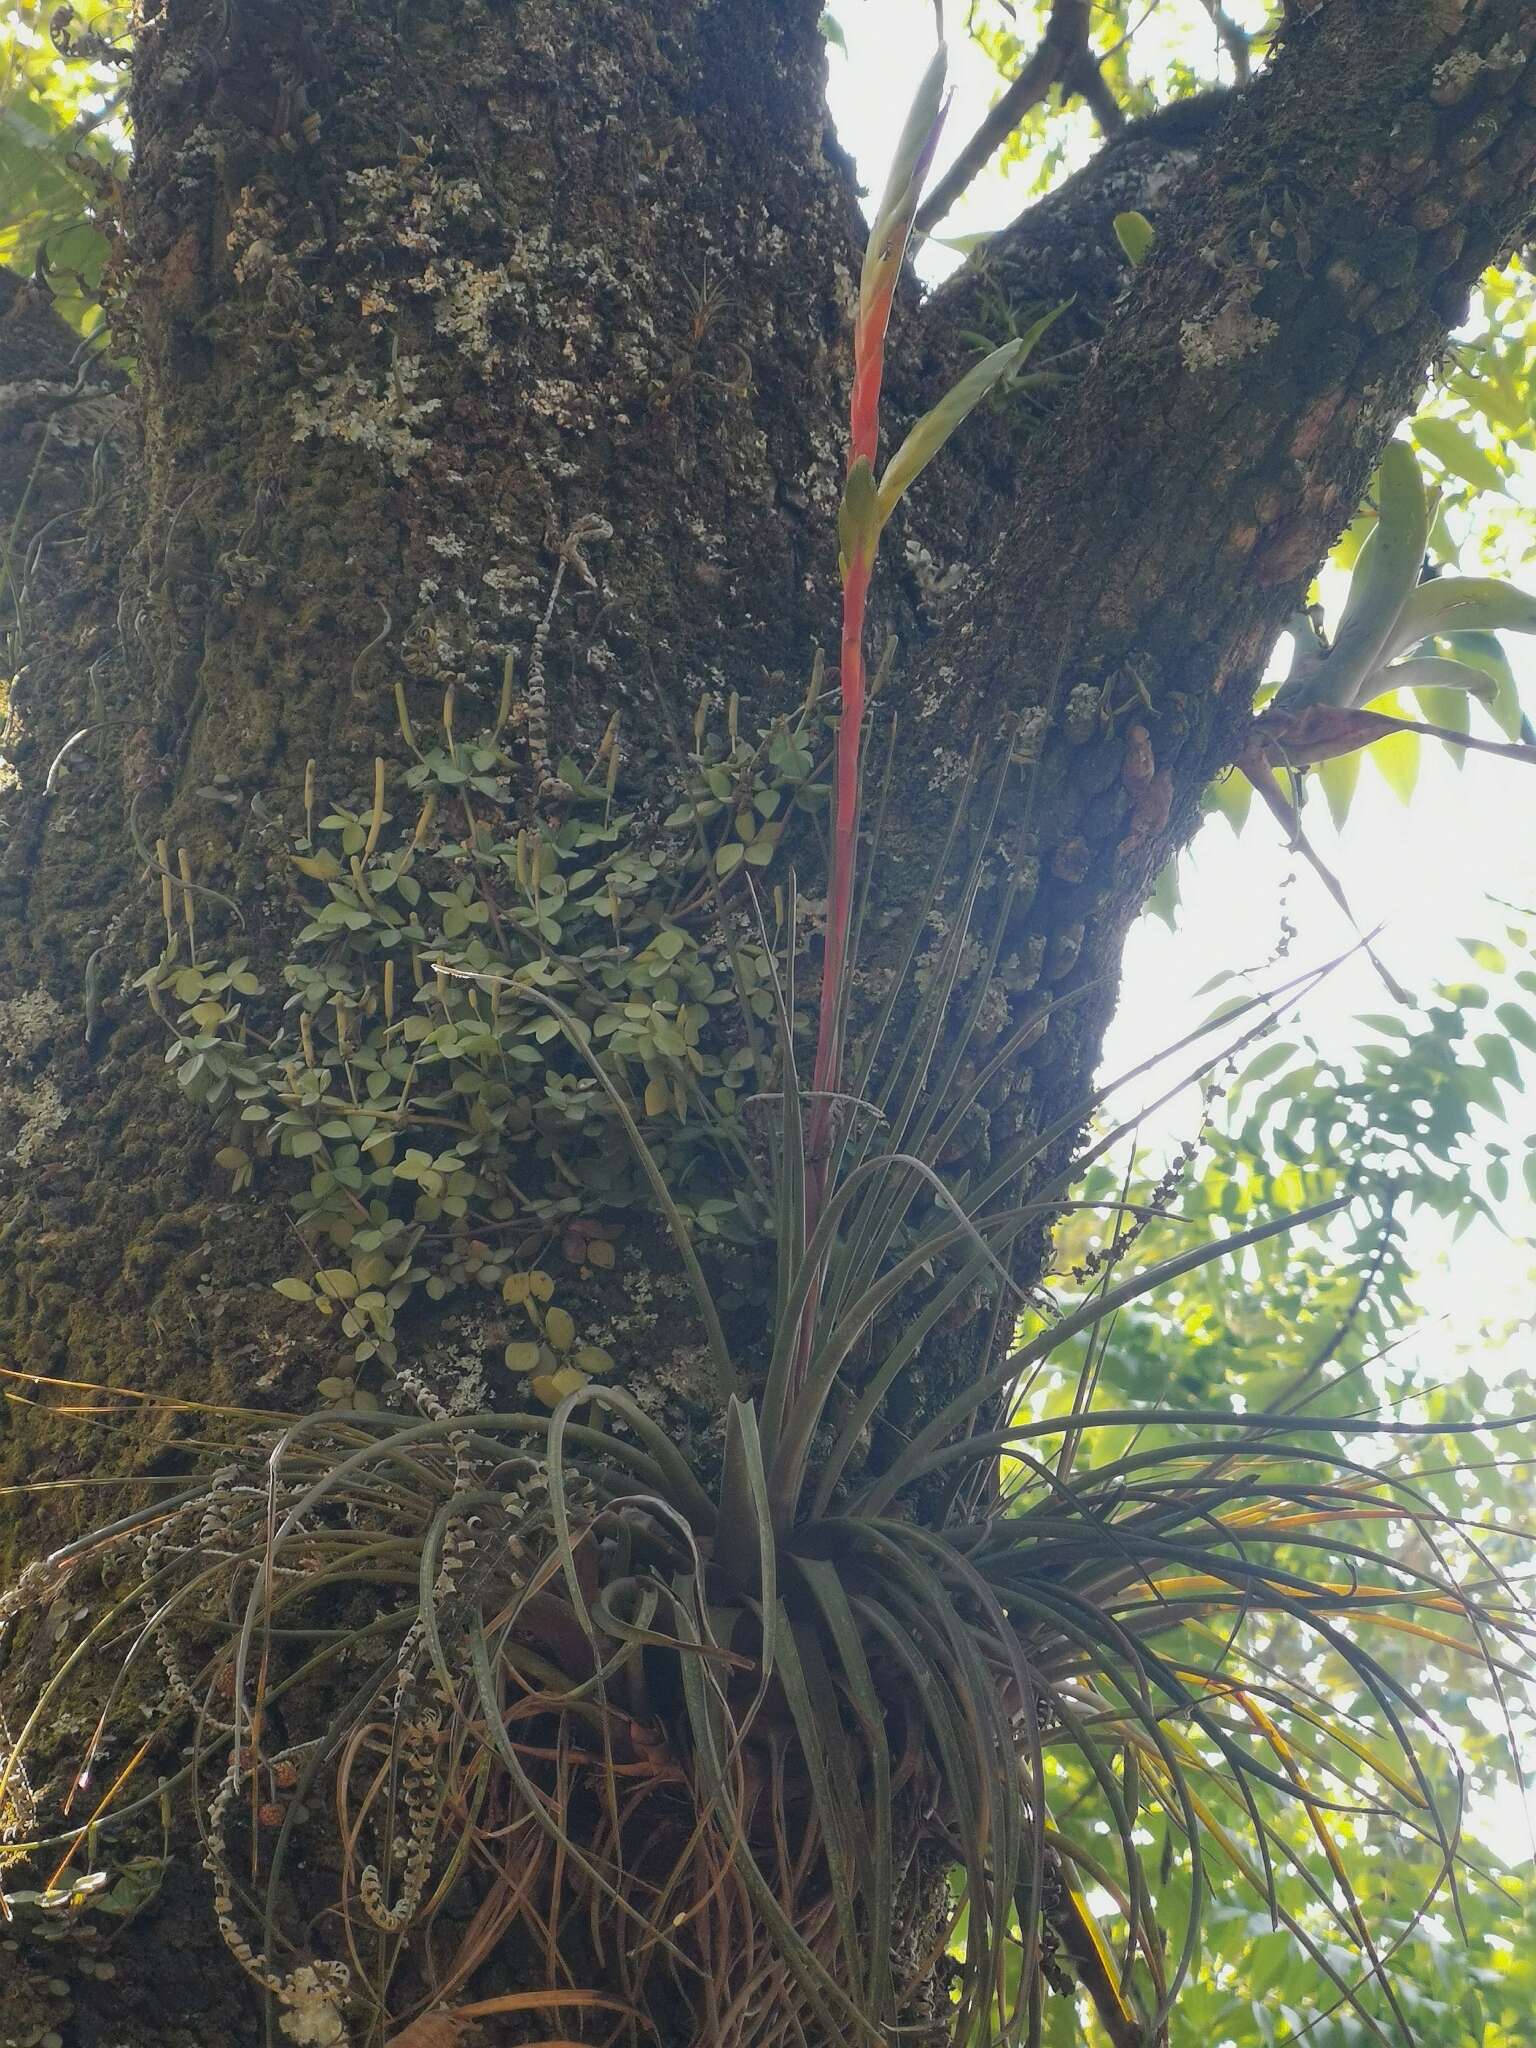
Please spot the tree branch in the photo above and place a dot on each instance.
(1208, 440)
(1278, 332)
(1234, 39)
(1063, 58)
(50, 388)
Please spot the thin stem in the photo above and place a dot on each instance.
(845, 825)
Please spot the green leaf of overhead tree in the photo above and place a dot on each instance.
(1457, 450)
(1339, 779)
(1396, 758)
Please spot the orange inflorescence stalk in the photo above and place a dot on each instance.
(882, 270)
(859, 534)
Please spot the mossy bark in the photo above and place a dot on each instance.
(410, 291)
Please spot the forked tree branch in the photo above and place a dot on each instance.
(1063, 58)
(1234, 39)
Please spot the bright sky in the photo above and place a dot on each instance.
(1423, 871)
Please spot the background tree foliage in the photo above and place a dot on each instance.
(1429, 1105)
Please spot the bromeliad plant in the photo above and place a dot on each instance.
(1322, 711)
(708, 1746)
(711, 1739)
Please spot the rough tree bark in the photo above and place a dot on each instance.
(410, 291)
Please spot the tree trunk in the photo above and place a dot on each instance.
(465, 333)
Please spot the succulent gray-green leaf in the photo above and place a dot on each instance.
(1461, 604)
(1389, 612)
(1386, 571)
(1431, 672)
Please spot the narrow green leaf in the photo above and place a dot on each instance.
(1483, 651)
(934, 429)
(1384, 576)
(1432, 673)
(1460, 604)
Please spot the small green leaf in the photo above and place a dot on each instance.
(1269, 1061)
(1520, 1024)
(1163, 903)
(1133, 231)
(293, 1290)
(1338, 779)
(1396, 759)
(559, 1329)
(1231, 795)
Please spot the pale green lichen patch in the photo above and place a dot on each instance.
(1228, 333)
(375, 412)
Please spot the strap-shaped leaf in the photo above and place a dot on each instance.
(1461, 604)
(1432, 672)
(744, 1541)
(935, 427)
(1386, 571)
